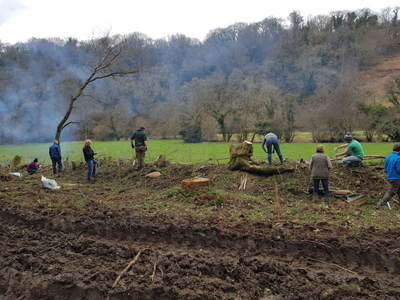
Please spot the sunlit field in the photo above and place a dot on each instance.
(174, 150)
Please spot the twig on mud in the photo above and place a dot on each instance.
(126, 269)
(334, 265)
(320, 244)
(162, 273)
(154, 271)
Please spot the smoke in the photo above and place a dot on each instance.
(8, 8)
(40, 81)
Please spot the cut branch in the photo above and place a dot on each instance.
(126, 269)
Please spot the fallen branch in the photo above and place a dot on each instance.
(334, 265)
(126, 269)
(366, 157)
(154, 271)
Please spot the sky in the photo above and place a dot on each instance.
(21, 20)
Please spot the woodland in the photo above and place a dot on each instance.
(284, 76)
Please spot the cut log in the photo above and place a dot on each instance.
(240, 159)
(196, 183)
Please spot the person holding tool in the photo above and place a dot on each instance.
(140, 146)
(354, 151)
(392, 167)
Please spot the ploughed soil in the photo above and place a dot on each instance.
(80, 252)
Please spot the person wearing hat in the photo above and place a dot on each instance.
(140, 138)
(354, 151)
(33, 167)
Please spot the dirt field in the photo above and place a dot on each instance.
(74, 243)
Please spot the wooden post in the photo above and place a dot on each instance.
(204, 156)
(214, 156)
(149, 156)
(118, 158)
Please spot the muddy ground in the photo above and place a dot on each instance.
(72, 252)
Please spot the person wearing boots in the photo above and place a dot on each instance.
(270, 140)
(392, 167)
(320, 165)
(354, 151)
(140, 139)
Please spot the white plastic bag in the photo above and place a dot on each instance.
(49, 184)
(16, 174)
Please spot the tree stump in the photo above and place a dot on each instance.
(240, 159)
(195, 183)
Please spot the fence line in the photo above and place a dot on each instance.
(173, 157)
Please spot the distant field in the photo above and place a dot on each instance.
(174, 150)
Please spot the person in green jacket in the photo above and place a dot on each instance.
(354, 151)
(140, 139)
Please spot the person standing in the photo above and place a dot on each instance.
(269, 140)
(354, 151)
(140, 139)
(55, 155)
(320, 165)
(89, 158)
(33, 167)
(392, 166)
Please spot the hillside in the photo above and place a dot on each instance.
(381, 75)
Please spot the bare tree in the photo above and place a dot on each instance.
(110, 57)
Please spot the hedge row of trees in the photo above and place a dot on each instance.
(242, 80)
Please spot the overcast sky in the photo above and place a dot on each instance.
(83, 19)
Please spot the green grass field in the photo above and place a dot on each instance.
(175, 150)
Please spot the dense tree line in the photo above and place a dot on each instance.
(246, 79)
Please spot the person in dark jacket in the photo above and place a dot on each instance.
(392, 166)
(140, 139)
(320, 165)
(89, 158)
(270, 140)
(55, 155)
(33, 167)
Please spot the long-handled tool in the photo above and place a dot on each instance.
(336, 157)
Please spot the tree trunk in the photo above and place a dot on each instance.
(240, 159)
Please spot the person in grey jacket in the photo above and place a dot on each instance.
(269, 140)
(320, 165)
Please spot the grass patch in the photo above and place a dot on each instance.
(174, 151)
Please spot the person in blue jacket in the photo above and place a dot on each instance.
(392, 166)
(55, 155)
